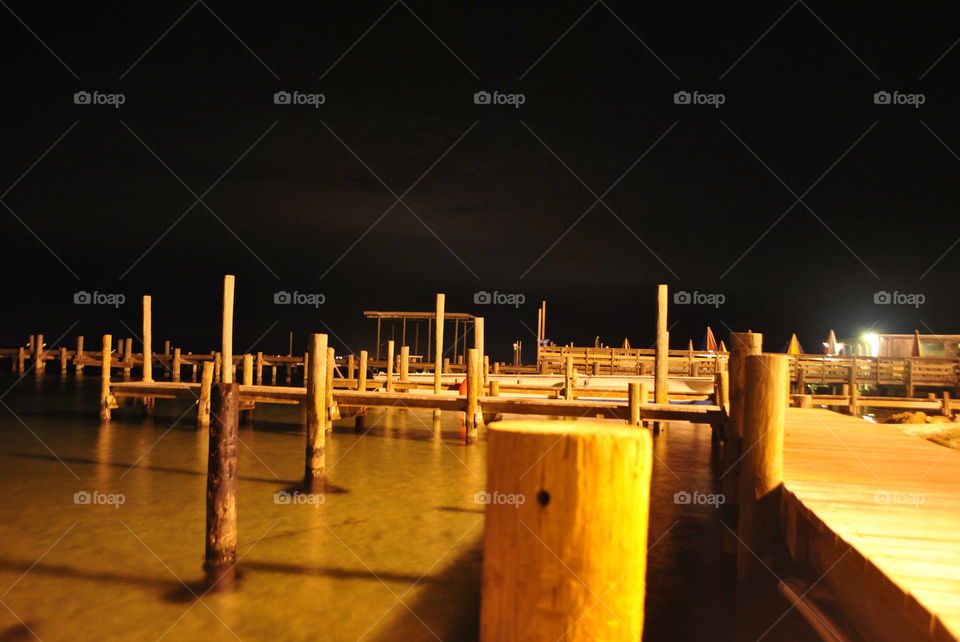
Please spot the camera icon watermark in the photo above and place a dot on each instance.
(699, 98)
(682, 297)
(298, 98)
(886, 498)
(497, 98)
(82, 297)
(296, 498)
(282, 297)
(98, 98)
(496, 497)
(483, 297)
(96, 498)
(882, 297)
(696, 498)
(898, 98)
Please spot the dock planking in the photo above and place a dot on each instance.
(877, 513)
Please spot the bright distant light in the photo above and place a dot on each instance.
(873, 341)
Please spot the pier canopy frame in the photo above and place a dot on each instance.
(464, 319)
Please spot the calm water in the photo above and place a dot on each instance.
(395, 555)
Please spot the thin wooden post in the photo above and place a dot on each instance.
(390, 363)
(333, 411)
(767, 385)
(945, 406)
(569, 380)
(217, 366)
(351, 367)
(21, 358)
(405, 364)
(226, 349)
(721, 386)
(446, 364)
(438, 361)
(206, 386)
(176, 364)
(259, 368)
(564, 497)
(147, 339)
(854, 390)
(247, 370)
(127, 357)
(494, 388)
(40, 363)
(221, 535)
(909, 383)
(362, 373)
(63, 360)
(633, 397)
(315, 466)
(105, 377)
(473, 418)
(78, 357)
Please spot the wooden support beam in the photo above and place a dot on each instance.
(767, 386)
(582, 491)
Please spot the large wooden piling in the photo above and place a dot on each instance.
(105, 377)
(315, 465)
(438, 348)
(390, 363)
(221, 534)
(567, 508)
(206, 385)
(147, 339)
(742, 345)
(765, 407)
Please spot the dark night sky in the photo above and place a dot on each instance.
(399, 98)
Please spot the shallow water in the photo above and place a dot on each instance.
(395, 555)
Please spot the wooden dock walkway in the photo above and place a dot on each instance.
(876, 512)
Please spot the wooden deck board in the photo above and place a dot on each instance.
(842, 469)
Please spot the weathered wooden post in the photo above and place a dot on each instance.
(259, 368)
(206, 385)
(351, 367)
(78, 357)
(315, 466)
(494, 388)
(945, 404)
(472, 417)
(247, 370)
(633, 398)
(362, 373)
(405, 364)
(446, 364)
(854, 390)
(767, 387)
(63, 360)
(21, 358)
(40, 363)
(147, 339)
(909, 382)
(569, 379)
(390, 361)
(478, 336)
(333, 411)
(438, 361)
(226, 351)
(742, 345)
(105, 377)
(661, 383)
(221, 535)
(127, 357)
(567, 508)
(217, 366)
(176, 363)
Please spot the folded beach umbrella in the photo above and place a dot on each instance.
(794, 346)
(710, 342)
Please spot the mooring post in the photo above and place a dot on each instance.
(767, 387)
(259, 368)
(494, 388)
(438, 361)
(21, 357)
(405, 365)
(147, 339)
(390, 363)
(661, 383)
(316, 411)
(333, 411)
(78, 357)
(569, 379)
(39, 363)
(206, 385)
(105, 377)
(854, 406)
(127, 357)
(478, 343)
(582, 491)
(176, 364)
(633, 397)
(226, 350)
(63, 360)
(742, 345)
(221, 535)
(217, 366)
(472, 417)
(351, 367)
(362, 373)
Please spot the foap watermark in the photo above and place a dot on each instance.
(698, 98)
(916, 299)
(683, 297)
(82, 297)
(496, 497)
(296, 498)
(98, 98)
(298, 98)
(899, 499)
(499, 298)
(299, 298)
(96, 498)
(899, 98)
(697, 498)
(497, 98)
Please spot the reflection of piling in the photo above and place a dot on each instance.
(586, 501)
